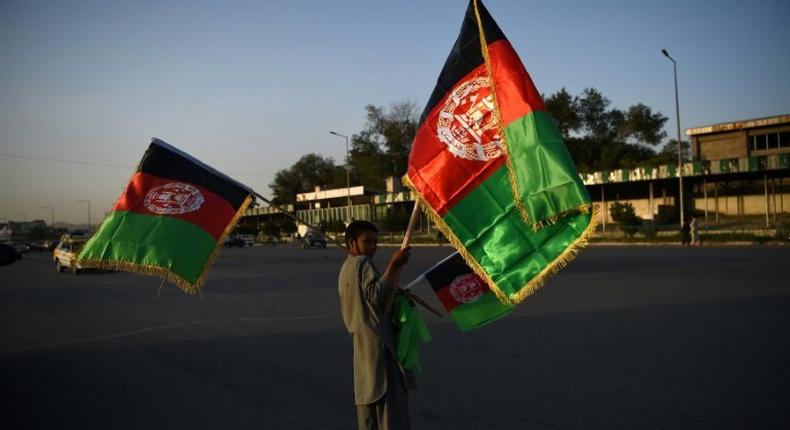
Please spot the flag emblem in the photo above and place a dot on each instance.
(467, 288)
(173, 198)
(463, 293)
(467, 124)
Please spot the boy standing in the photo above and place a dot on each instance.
(380, 383)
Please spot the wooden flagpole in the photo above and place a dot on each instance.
(406, 239)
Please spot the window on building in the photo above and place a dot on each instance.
(759, 142)
(773, 140)
(784, 139)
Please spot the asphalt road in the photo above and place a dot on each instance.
(624, 337)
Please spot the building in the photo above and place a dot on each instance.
(741, 139)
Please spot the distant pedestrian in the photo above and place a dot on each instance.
(694, 232)
(685, 233)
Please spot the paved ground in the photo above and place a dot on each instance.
(625, 337)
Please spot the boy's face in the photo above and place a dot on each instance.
(365, 244)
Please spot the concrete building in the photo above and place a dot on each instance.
(741, 139)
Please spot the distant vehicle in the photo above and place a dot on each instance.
(21, 248)
(248, 238)
(313, 240)
(234, 241)
(8, 254)
(42, 245)
(65, 254)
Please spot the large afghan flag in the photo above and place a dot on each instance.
(491, 167)
(171, 219)
(463, 293)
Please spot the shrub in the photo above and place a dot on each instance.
(625, 215)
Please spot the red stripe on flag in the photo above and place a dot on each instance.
(444, 179)
(213, 214)
(441, 177)
(448, 301)
(516, 93)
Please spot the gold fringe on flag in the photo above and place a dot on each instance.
(165, 273)
(536, 282)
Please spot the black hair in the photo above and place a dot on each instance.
(356, 228)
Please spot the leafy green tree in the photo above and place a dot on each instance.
(38, 232)
(272, 229)
(396, 218)
(367, 160)
(310, 171)
(382, 148)
(564, 110)
(603, 138)
(625, 215)
(596, 119)
(289, 227)
(644, 126)
(669, 153)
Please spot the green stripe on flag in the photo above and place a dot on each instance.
(546, 177)
(151, 241)
(513, 255)
(469, 316)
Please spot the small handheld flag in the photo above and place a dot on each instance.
(170, 221)
(463, 294)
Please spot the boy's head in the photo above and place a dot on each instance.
(362, 238)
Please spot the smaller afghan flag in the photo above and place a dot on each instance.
(170, 221)
(463, 294)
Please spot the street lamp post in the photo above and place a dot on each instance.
(348, 176)
(89, 213)
(680, 156)
(52, 212)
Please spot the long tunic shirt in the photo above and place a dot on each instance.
(362, 296)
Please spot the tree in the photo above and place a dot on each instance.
(564, 110)
(669, 153)
(310, 171)
(272, 229)
(367, 160)
(396, 219)
(38, 232)
(382, 148)
(625, 215)
(645, 126)
(594, 117)
(289, 227)
(603, 138)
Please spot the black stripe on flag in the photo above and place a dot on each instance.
(466, 54)
(165, 161)
(442, 275)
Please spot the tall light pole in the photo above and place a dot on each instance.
(52, 213)
(348, 176)
(89, 212)
(680, 156)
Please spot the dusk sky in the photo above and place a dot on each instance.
(250, 87)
